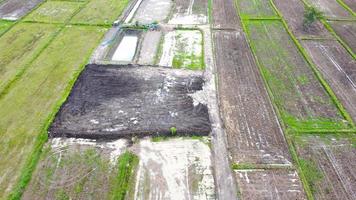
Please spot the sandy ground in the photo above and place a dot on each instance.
(153, 10)
(338, 68)
(190, 12)
(149, 48)
(15, 9)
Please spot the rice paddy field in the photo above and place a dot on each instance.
(177, 99)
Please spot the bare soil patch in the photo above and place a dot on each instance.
(149, 47)
(338, 68)
(331, 9)
(254, 134)
(190, 12)
(122, 101)
(329, 164)
(351, 4)
(15, 9)
(293, 13)
(347, 32)
(270, 184)
(224, 14)
(153, 10)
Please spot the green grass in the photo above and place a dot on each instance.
(100, 12)
(291, 79)
(54, 12)
(246, 166)
(124, 180)
(22, 43)
(311, 173)
(29, 107)
(5, 25)
(255, 8)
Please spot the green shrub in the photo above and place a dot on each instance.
(311, 15)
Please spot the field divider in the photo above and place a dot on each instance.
(346, 7)
(331, 30)
(326, 86)
(249, 166)
(261, 18)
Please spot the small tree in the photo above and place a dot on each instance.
(311, 15)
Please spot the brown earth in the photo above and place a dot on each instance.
(254, 134)
(112, 101)
(335, 161)
(224, 14)
(270, 184)
(294, 15)
(15, 9)
(338, 68)
(331, 9)
(346, 31)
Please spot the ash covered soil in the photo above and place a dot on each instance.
(124, 101)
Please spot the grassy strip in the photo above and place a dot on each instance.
(248, 166)
(127, 164)
(346, 7)
(260, 18)
(159, 50)
(337, 131)
(210, 11)
(315, 70)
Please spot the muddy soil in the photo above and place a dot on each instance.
(254, 134)
(270, 184)
(293, 12)
(338, 68)
(331, 9)
(190, 12)
(149, 47)
(335, 161)
(153, 11)
(346, 31)
(224, 14)
(124, 101)
(15, 9)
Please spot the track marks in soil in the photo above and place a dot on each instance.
(224, 14)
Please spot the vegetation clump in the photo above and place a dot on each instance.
(311, 15)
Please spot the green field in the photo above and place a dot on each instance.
(100, 12)
(4, 25)
(255, 8)
(36, 96)
(22, 43)
(301, 99)
(54, 12)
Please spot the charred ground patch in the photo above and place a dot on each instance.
(122, 101)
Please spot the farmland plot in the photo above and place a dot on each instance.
(54, 12)
(81, 169)
(101, 12)
(270, 184)
(331, 9)
(121, 101)
(328, 162)
(301, 99)
(190, 12)
(224, 14)
(153, 11)
(35, 96)
(149, 48)
(351, 4)
(255, 8)
(338, 68)
(22, 43)
(15, 9)
(347, 32)
(294, 15)
(254, 134)
(5, 25)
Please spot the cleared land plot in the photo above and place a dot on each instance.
(190, 12)
(351, 4)
(255, 8)
(338, 68)
(124, 101)
(346, 31)
(100, 12)
(70, 169)
(224, 14)
(269, 184)
(182, 49)
(329, 165)
(254, 135)
(153, 10)
(15, 9)
(301, 99)
(4, 25)
(149, 47)
(35, 96)
(331, 9)
(54, 12)
(174, 169)
(22, 43)
(293, 13)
